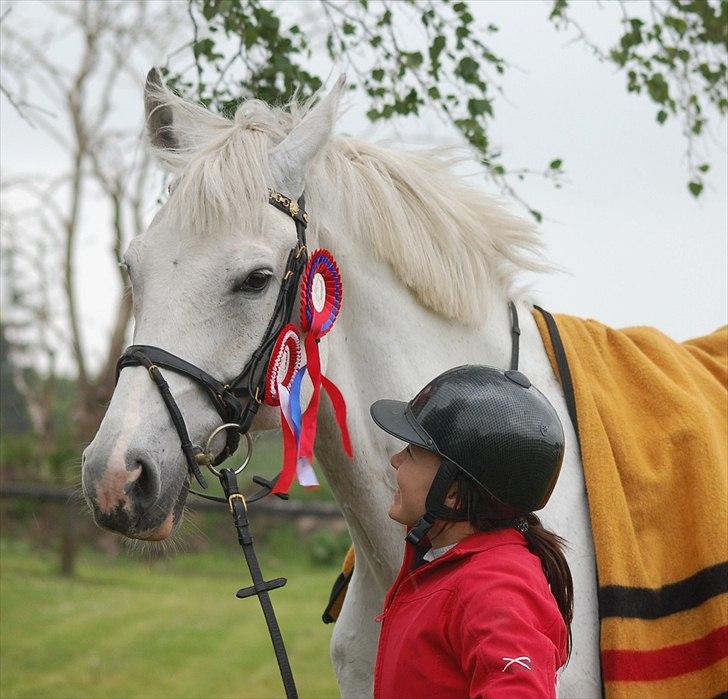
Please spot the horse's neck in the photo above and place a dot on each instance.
(386, 345)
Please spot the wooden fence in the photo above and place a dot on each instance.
(285, 509)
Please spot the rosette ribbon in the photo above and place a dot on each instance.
(283, 368)
(321, 296)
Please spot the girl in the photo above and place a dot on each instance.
(482, 606)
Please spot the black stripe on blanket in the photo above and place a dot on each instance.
(647, 603)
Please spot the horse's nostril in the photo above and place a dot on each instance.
(144, 489)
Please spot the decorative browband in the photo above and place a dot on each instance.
(287, 205)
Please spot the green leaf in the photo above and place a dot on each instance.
(250, 35)
(438, 44)
(658, 88)
(203, 47)
(378, 74)
(704, 167)
(678, 24)
(537, 215)
(477, 107)
(695, 188)
(209, 10)
(558, 9)
(467, 69)
(661, 116)
(412, 58)
(555, 164)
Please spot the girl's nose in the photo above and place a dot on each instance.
(396, 459)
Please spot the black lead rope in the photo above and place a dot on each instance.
(260, 587)
(237, 402)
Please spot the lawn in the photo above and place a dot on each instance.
(169, 628)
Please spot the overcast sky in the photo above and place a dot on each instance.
(639, 248)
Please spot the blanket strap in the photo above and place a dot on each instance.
(565, 375)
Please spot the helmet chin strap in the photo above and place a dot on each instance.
(435, 507)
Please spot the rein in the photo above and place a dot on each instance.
(237, 402)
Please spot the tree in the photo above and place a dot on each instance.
(676, 55)
(73, 102)
(103, 159)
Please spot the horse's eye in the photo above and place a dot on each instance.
(255, 282)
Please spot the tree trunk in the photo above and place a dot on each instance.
(69, 542)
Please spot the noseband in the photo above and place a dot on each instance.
(235, 401)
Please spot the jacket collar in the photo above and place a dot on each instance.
(474, 543)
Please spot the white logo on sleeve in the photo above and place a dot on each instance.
(524, 661)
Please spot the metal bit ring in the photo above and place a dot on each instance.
(216, 431)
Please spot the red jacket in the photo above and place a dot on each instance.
(478, 622)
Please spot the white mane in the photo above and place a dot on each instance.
(450, 243)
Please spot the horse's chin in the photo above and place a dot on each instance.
(145, 526)
(160, 533)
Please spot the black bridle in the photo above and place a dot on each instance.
(235, 401)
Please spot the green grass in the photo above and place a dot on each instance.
(170, 628)
(266, 461)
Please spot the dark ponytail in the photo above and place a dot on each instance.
(549, 547)
(477, 506)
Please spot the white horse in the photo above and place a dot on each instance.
(429, 266)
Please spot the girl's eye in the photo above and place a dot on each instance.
(255, 282)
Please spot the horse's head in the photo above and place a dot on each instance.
(205, 277)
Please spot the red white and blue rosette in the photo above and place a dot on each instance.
(321, 293)
(285, 360)
(321, 296)
(283, 366)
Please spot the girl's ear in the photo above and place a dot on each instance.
(452, 497)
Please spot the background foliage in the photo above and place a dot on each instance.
(428, 54)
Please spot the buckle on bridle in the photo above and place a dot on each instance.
(237, 496)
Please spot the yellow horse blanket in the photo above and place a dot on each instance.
(652, 420)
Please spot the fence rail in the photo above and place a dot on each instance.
(291, 509)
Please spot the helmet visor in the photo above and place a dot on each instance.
(395, 417)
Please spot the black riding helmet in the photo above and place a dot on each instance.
(493, 425)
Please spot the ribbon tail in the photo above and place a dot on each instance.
(288, 472)
(306, 475)
(310, 417)
(295, 402)
(339, 405)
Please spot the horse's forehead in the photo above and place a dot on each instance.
(166, 237)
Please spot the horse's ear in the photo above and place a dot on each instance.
(290, 159)
(159, 115)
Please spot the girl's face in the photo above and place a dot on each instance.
(416, 469)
